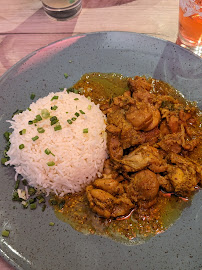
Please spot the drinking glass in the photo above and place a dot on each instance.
(190, 25)
(62, 9)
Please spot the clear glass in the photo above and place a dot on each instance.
(62, 9)
(190, 25)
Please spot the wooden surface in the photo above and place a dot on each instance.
(24, 27)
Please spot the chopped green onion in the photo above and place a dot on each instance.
(17, 112)
(89, 107)
(73, 118)
(35, 138)
(47, 151)
(5, 154)
(61, 88)
(66, 75)
(43, 208)
(4, 160)
(33, 206)
(15, 196)
(54, 107)
(54, 97)
(31, 191)
(53, 202)
(76, 99)
(30, 122)
(17, 183)
(51, 224)
(41, 130)
(67, 112)
(32, 200)
(7, 135)
(82, 112)
(58, 127)
(71, 89)
(25, 204)
(53, 120)
(77, 114)
(69, 121)
(61, 204)
(32, 96)
(24, 181)
(45, 113)
(41, 200)
(35, 121)
(38, 117)
(5, 233)
(21, 146)
(50, 163)
(29, 109)
(23, 131)
(85, 130)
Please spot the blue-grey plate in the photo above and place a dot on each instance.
(33, 244)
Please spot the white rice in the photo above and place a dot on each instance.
(79, 156)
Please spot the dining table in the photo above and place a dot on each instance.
(25, 27)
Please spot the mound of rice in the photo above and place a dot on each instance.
(76, 157)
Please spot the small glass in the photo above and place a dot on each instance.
(62, 10)
(190, 25)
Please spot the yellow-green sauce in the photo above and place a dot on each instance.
(142, 224)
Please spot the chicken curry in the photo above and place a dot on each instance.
(154, 167)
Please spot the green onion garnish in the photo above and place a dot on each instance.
(32, 96)
(69, 121)
(45, 113)
(77, 114)
(21, 146)
(33, 206)
(54, 107)
(51, 224)
(31, 191)
(58, 127)
(24, 181)
(53, 120)
(50, 163)
(67, 112)
(54, 97)
(82, 112)
(41, 130)
(43, 208)
(17, 112)
(47, 151)
(35, 138)
(4, 160)
(7, 135)
(5, 233)
(66, 75)
(89, 107)
(29, 109)
(73, 118)
(17, 183)
(30, 122)
(85, 130)
(23, 131)
(76, 99)
(61, 88)
(38, 117)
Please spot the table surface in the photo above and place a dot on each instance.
(24, 27)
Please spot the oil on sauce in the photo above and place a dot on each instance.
(141, 225)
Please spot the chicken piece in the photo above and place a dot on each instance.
(164, 130)
(156, 117)
(171, 143)
(117, 118)
(143, 186)
(140, 116)
(130, 137)
(165, 183)
(152, 136)
(106, 205)
(174, 123)
(109, 185)
(100, 201)
(142, 157)
(114, 146)
(138, 84)
(182, 175)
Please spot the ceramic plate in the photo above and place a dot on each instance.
(33, 244)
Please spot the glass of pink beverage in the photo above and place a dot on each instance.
(190, 25)
(62, 9)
